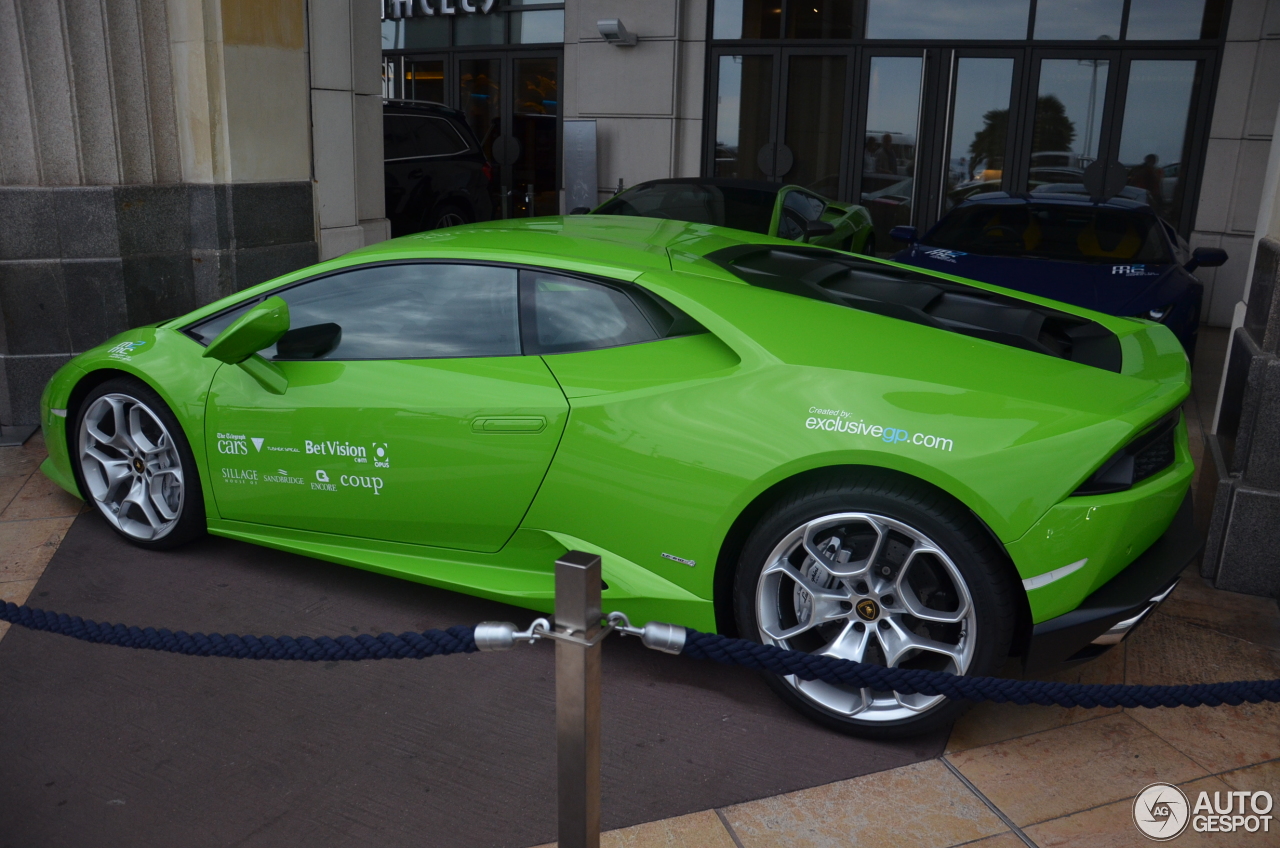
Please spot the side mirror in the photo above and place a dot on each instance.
(1206, 257)
(310, 342)
(260, 327)
(903, 233)
(818, 229)
(580, 210)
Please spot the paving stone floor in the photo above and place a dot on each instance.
(1010, 775)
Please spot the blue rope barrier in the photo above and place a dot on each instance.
(697, 645)
(770, 658)
(384, 646)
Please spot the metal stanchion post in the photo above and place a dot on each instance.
(578, 700)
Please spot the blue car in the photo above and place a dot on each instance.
(1115, 256)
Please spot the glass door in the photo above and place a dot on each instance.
(886, 146)
(512, 103)
(979, 130)
(742, 140)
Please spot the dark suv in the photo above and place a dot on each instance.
(436, 173)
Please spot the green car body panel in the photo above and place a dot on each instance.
(649, 454)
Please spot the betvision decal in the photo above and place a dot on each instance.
(355, 452)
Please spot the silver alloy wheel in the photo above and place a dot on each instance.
(131, 466)
(870, 588)
(450, 219)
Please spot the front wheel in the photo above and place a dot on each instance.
(880, 570)
(134, 464)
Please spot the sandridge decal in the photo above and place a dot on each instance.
(282, 476)
(840, 421)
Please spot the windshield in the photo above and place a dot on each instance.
(1064, 233)
(724, 206)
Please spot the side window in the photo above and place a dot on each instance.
(407, 311)
(413, 136)
(562, 314)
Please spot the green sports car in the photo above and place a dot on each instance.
(793, 444)
(785, 211)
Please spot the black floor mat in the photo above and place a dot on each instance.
(108, 747)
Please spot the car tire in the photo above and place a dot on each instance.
(449, 215)
(134, 464)
(869, 248)
(942, 563)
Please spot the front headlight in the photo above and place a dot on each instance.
(1157, 314)
(1150, 452)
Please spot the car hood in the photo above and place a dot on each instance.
(1116, 289)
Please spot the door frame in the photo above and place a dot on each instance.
(506, 108)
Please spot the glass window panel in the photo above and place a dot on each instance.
(480, 29)
(413, 136)
(815, 121)
(423, 311)
(743, 101)
(424, 80)
(979, 128)
(820, 19)
(1068, 120)
(480, 97)
(889, 148)
(425, 32)
(747, 19)
(1082, 20)
(537, 102)
(1169, 19)
(949, 19)
(544, 27)
(392, 34)
(1154, 134)
(570, 314)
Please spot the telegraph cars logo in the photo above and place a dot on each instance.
(230, 443)
(1161, 811)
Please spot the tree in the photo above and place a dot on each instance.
(1053, 131)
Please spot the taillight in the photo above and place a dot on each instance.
(1151, 452)
(488, 172)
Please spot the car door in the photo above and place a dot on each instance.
(423, 423)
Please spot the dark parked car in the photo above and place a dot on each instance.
(436, 173)
(1116, 256)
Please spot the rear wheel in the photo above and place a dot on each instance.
(881, 570)
(134, 464)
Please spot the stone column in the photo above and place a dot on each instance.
(1239, 496)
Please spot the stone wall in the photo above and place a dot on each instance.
(647, 99)
(1240, 137)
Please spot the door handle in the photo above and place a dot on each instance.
(509, 424)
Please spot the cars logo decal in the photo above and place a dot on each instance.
(230, 443)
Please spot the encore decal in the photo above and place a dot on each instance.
(322, 483)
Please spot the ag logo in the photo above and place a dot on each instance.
(867, 609)
(1161, 811)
